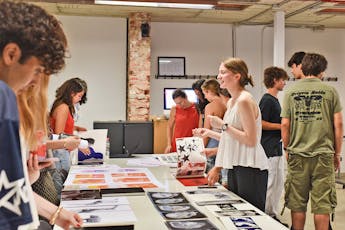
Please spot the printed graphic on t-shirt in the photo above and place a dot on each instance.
(308, 105)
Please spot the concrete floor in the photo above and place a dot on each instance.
(339, 220)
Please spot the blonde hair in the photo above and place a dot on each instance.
(211, 85)
(33, 108)
(237, 65)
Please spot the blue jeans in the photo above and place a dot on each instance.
(212, 143)
(64, 156)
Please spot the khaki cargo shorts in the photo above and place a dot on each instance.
(314, 175)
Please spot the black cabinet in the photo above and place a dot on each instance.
(127, 137)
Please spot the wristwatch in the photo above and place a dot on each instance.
(224, 127)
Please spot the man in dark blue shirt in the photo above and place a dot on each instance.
(274, 80)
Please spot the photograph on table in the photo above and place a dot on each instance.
(191, 160)
(81, 194)
(244, 223)
(217, 202)
(193, 214)
(108, 211)
(236, 213)
(167, 198)
(190, 224)
(175, 208)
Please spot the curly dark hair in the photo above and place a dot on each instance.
(272, 73)
(36, 32)
(64, 92)
(313, 64)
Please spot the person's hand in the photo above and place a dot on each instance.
(215, 121)
(71, 143)
(210, 151)
(81, 129)
(67, 218)
(213, 175)
(168, 149)
(34, 167)
(201, 132)
(85, 151)
(336, 162)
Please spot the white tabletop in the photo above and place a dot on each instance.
(148, 217)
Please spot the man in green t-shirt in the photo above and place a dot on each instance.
(312, 132)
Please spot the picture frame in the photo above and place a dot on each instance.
(171, 66)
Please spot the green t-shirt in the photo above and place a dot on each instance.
(310, 105)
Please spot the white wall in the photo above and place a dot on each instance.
(98, 50)
(203, 46)
(98, 55)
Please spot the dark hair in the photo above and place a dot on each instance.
(179, 93)
(272, 73)
(63, 94)
(296, 58)
(197, 84)
(83, 83)
(37, 33)
(313, 64)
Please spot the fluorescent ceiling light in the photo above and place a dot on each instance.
(156, 4)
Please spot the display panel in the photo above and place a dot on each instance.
(168, 100)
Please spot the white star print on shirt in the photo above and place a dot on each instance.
(17, 190)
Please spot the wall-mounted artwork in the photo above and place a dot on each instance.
(171, 66)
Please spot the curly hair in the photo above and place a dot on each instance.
(272, 73)
(64, 92)
(313, 64)
(36, 32)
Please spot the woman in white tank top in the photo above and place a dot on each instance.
(239, 148)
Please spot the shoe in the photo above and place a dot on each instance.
(285, 224)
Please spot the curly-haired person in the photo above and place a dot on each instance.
(32, 43)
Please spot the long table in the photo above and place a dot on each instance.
(148, 217)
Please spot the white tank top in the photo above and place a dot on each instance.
(233, 153)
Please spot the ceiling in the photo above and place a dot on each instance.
(298, 13)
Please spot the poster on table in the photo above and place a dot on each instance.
(191, 161)
(109, 176)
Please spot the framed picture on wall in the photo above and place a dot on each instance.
(171, 66)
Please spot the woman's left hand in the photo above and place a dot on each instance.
(215, 122)
(34, 167)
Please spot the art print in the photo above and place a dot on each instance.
(191, 224)
(191, 160)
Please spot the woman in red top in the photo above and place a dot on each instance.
(184, 117)
(61, 115)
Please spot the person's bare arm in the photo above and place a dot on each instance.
(60, 115)
(207, 123)
(65, 219)
(170, 129)
(270, 126)
(338, 138)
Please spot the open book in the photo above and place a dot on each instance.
(191, 161)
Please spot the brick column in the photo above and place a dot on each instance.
(139, 69)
